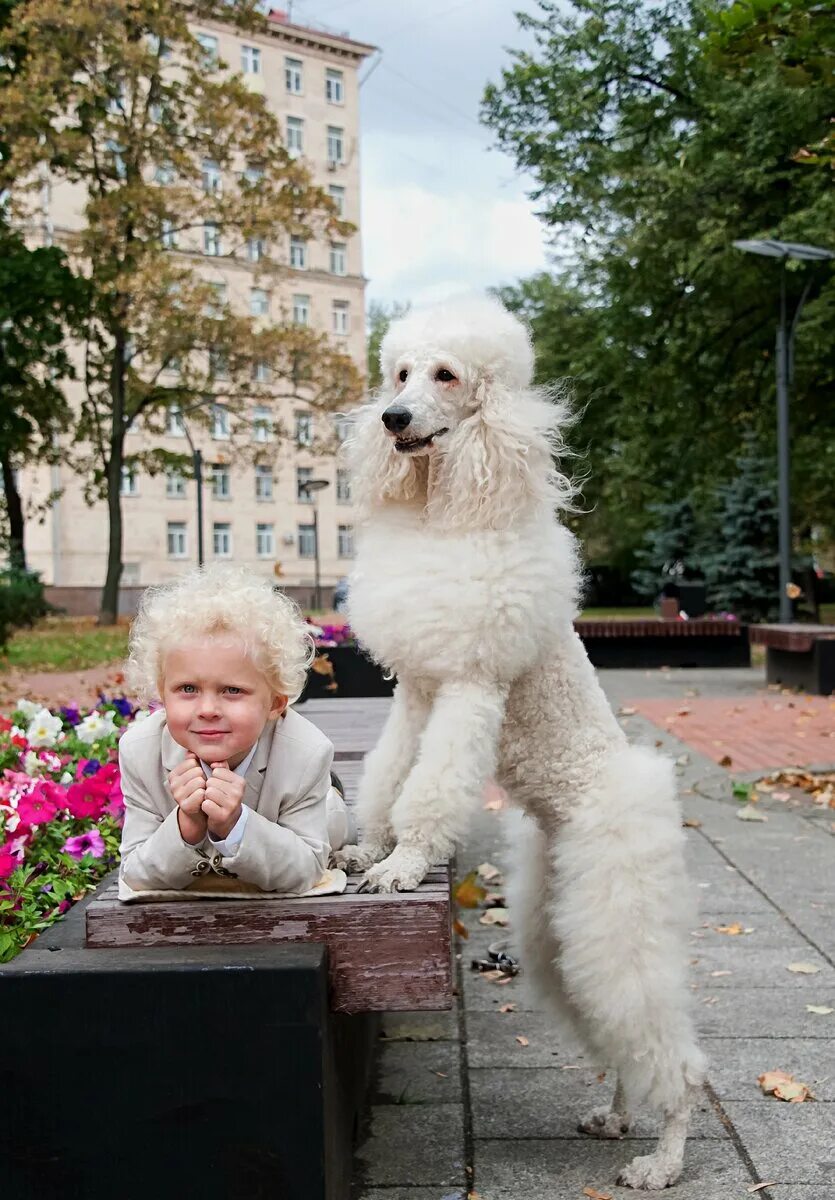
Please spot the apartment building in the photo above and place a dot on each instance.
(258, 515)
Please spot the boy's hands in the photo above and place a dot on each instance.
(222, 802)
(188, 788)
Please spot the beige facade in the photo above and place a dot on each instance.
(258, 516)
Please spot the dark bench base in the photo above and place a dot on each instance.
(161, 1073)
(811, 670)
(660, 651)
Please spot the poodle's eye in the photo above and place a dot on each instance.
(403, 375)
(444, 375)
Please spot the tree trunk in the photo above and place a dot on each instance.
(109, 610)
(14, 509)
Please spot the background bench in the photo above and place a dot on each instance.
(654, 642)
(800, 656)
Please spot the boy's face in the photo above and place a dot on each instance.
(216, 700)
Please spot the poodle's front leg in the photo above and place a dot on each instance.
(384, 770)
(456, 758)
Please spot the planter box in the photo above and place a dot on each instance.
(354, 674)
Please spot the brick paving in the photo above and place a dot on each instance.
(773, 729)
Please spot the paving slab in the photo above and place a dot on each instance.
(418, 1073)
(794, 1143)
(735, 1064)
(410, 1193)
(491, 1042)
(745, 1011)
(420, 1026)
(559, 1170)
(414, 1145)
(752, 966)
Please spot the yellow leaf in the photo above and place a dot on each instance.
(784, 1087)
(461, 929)
(494, 916)
(523, 1041)
(803, 968)
(468, 893)
(758, 1187)
(489, 873)
(506, 1008)
(823, 1010)
(691, 823)
(590, 1192)
(732, 930)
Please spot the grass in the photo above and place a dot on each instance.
(623, 613)
(65, 644)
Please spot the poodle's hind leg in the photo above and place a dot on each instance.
(610, 1122)
(384, 772)
(653, 1172)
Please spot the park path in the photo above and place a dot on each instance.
(462, 1105)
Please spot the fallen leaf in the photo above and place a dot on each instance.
(758, 1187)
(523, 1041)
(822, 1010)
(461, 929)
(749, 813)
(718, 974)
(627, 712)
(440, 1074)
(732, 930)
(726, 761)
(506, 1008)
(682, 712)
(741, 791)
(784, 1087)
(781, 796)
(494, 916)
(691, 823)
(571, 1067)
(589, 1191)
(683, 760)
(468, 893)
(802, 968)
(495, 900)
(489, 873)
(601, 1076)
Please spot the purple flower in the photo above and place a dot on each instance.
(91, 767)
(70, 713)
(85, 843)
(122, 705)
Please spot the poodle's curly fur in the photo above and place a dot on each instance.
(466, 587)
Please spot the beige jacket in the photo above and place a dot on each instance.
(285, 843)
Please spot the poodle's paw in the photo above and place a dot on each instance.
(353, 859)
(402, 871)
(651, 1172)
(604, 1123)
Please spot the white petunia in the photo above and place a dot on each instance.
(31, 763)
(44, 729)
(28, 707)
(66, 778)
(94, 727)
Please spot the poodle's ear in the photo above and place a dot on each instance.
(498, 462)
(378, 475)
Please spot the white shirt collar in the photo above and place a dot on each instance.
(241, 768)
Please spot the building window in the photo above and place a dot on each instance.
(263, 482)
(211, 177)
(304, 429)
(130, 483)
(337, 194)
(221, 482)
(217, 301)
(164, 173)
(307, 541)
(209, 45)
(343, 486)
(293, 78)
(175, 484)
(177, 546)
(338, 258)
(340, 316)
(222, 539)
(334, 87)
(303, 476)
(255, 249)
(264, 540)
(298, 253)
(335, 144)
(295, 136)
(342, 428)
(250, 60)
(117, 152)
(220, 421)
(259, 302)
(301, 310)
(345, 541)
(170, 235)
(253, 174)
(218, 365)
(174, 426)
(260, 372)
(262, 425)
(211, 239)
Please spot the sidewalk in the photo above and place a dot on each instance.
(458, 1090)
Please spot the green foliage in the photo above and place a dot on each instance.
(742, 570)
(378, 319)
(65, 644)
(652, 149)
(670, 548)
(22, 601)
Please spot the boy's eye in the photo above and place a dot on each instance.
(234, 691)
(188, 688)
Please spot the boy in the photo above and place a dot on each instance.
(224, 780)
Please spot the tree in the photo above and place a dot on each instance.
(670, 548)
(173, 155)
(651, 152)
(742, 571)
(379, 317)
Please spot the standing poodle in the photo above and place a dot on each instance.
(466, 586)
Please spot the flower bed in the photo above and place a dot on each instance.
(60, 811)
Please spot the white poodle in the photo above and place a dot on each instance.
(466, 586)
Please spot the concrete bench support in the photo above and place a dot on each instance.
(801, 656)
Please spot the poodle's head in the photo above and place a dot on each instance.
(456, 423)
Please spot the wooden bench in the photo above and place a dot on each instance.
(655, 642)
(235, 1036)
(800, 656)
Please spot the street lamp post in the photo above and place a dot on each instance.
(784, 365)
(197, 463)
(310, 487)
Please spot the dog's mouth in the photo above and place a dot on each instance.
(406, 445)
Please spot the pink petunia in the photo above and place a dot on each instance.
(85, 843)
(87, 798)
(37, 808)
(8, 862)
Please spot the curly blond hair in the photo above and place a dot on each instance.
(216, 601)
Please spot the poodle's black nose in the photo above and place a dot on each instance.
(396, 418)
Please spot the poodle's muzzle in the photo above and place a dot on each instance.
(398, 418)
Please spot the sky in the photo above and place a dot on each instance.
(442, 212)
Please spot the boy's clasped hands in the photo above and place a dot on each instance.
(212, 804)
